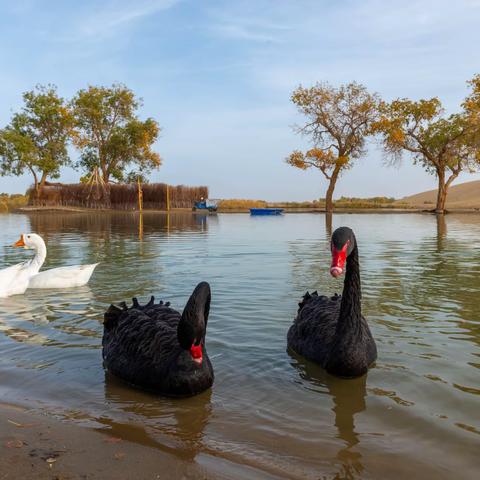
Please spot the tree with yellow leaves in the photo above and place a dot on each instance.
(338, 123)
(443, 146)
(471, 106)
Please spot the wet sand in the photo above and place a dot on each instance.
(38, 447)
(34, 446)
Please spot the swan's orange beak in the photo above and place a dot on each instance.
(338, 260)
(20, 243)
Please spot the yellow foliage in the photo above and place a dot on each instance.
(397, 136)
(321, 157)
(297, 159)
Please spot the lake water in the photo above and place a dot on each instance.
(269, 414)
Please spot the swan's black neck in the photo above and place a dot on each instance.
(350, 308)
(193, 323)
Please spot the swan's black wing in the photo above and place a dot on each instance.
(313, 329)
(139, 339)
(140, 345)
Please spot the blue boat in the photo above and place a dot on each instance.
(266, 211)
(209, 204)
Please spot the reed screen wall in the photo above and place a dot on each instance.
(117, 196)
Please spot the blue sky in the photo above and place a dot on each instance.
(217, 75)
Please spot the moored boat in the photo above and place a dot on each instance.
(266, 211)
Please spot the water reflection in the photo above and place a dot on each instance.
(27, 318)
(105, 223)
(420, 296)
(328, 225)
(140, 226)
(348, 399)
(441, 232)
(171, 425)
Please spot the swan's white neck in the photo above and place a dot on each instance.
(40, 254)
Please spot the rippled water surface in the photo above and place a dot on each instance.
(415, 415)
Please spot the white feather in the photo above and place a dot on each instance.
(63, 277)
(14, 280)
(17, 278)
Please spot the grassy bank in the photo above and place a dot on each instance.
(9, 203)
(347, 203)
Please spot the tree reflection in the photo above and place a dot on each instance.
(328, 225)
(439, 276)
(441, 232)
(132, 224)
(116, 240)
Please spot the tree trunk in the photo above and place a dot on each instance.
(36, 195)
(330, 190)
(441, 193)
(36, 198)
(443, 189)
(43, 179)
(105, 175)
(39, 185)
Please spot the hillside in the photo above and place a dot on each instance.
(464, 195)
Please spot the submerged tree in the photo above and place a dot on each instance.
(36, 138)
(441, 145)
(338, 123)
(111, 136)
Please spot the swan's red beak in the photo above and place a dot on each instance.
(196, 353)
(338, 260)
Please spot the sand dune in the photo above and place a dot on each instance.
(463, 195)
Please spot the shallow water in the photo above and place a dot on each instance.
(415, 415)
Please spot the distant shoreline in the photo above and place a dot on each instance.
(398, 210)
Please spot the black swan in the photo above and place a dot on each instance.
(332, 331)
(156, 348)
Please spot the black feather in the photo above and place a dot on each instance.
(151, 302)
(141, 346)
(332, 331)
(111, 316)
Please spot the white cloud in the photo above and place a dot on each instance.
(115, 16)
(243, 32)
(239, 21)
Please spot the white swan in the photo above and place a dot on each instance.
(15, 280)
(61, 277)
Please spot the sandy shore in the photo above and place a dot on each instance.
(34, 446)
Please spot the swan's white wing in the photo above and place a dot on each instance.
(14, 279)
(10, 272)
(63, 277)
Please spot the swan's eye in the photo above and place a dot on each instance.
(28, 236)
